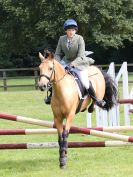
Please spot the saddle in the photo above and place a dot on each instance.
(81, 89)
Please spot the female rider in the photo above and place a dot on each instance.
(70, 51)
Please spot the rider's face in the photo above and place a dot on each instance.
(70, 33)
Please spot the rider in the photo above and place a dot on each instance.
(70, 51)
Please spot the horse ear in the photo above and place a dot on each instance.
(41, 57)
(46, 53)
(52, 55)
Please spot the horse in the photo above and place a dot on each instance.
(65, 97)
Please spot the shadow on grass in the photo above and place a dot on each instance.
(23, 166)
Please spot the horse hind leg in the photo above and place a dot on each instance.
(91, 107)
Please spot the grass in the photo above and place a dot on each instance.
(91, 162)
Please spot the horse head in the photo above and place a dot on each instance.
(46, 70)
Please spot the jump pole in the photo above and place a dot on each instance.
(51, 124)
(112, 136)
(73, 130)
(48, 145)
(109, 135)
(26, 120)
(27, 131)
(125, 101)
(131, 110)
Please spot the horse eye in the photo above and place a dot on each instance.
(50, 68)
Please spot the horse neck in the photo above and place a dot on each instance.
(59, 78)
(59, 71)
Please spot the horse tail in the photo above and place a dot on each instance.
(111, 91)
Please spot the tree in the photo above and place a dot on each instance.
(29, 26)
(105, 22)
(18, 34)
(111, 22)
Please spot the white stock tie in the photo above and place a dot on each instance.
(69, 42)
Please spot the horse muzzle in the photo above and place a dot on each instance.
(42, 87)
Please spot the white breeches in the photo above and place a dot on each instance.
(83, 75)
(84, 78)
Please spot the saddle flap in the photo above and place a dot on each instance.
(81, 89)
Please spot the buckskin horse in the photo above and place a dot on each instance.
(65, 97)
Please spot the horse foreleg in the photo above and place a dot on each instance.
(63, 145)
(62, 139)
(63, 148)
(63, 142)
(61, 135)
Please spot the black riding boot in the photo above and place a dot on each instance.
(48, 97)
(92, 94)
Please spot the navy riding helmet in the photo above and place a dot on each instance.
(70, 23)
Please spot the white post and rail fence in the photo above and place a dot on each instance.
(113, 117)
(103, 118)
(7, 74)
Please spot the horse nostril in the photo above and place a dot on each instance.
(42, 87)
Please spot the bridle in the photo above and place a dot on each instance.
(51, 83)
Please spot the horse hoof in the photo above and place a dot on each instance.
(63, 163)
(62, 166)
(91, 108)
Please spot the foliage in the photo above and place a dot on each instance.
(106, 22)
(112, 22)
(29, 26)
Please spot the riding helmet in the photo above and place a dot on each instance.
(70, 24)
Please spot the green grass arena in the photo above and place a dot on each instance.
(88, 162)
